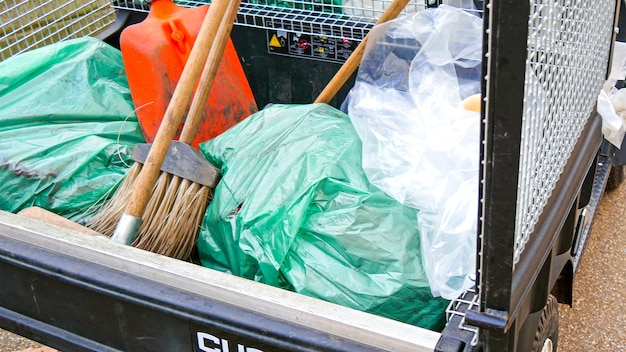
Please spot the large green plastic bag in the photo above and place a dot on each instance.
(67, 125)
(294, 209)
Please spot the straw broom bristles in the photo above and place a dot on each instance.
(173, 214)
(107, 216)
(173, 222)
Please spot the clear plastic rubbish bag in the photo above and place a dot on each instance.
(419, 145)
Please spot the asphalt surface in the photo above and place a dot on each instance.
(596, 322)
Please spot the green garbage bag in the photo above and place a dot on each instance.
(334, 6)
(294, 209)
(67, 126)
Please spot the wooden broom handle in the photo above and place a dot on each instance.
(346, 70)
(175, 111)
(195, 117)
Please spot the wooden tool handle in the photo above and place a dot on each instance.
(346, 70)
(41, 214)
(194, 117)
(175, 110)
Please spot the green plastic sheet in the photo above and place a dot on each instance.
(294, 209)
(334, 6)
(67, 126)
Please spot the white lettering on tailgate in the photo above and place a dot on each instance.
(211, 343)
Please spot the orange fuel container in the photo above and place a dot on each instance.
(154, 53)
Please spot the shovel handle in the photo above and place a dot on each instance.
(194, 117)
(346, 70)
(175, 111)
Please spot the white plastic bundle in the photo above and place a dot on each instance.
(419, 145)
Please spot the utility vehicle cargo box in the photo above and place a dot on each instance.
(543, 168)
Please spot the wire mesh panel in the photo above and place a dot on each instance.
(458, 308)
(565, 70)
(334, 18)
(344, 19)
(28, 24)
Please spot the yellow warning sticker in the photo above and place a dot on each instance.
(275, 42)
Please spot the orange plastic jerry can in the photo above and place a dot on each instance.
(154, 53)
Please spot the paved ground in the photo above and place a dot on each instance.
(596, 321)
(11, 343)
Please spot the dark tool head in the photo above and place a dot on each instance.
(183, 161)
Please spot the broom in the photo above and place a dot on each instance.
(192, 196)
(172, 205)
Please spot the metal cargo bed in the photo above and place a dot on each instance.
(87, 293)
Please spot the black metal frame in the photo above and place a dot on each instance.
(501, 132)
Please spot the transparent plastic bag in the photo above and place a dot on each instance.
(611, 109)
(419, 145)
(612, 101)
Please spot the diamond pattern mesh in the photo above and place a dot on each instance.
(565, 70)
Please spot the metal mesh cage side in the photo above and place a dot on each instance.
(344, 19)
(25, 24)
(545, 64)
(568, 43)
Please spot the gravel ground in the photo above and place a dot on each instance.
(596, 320)
(11, 343)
